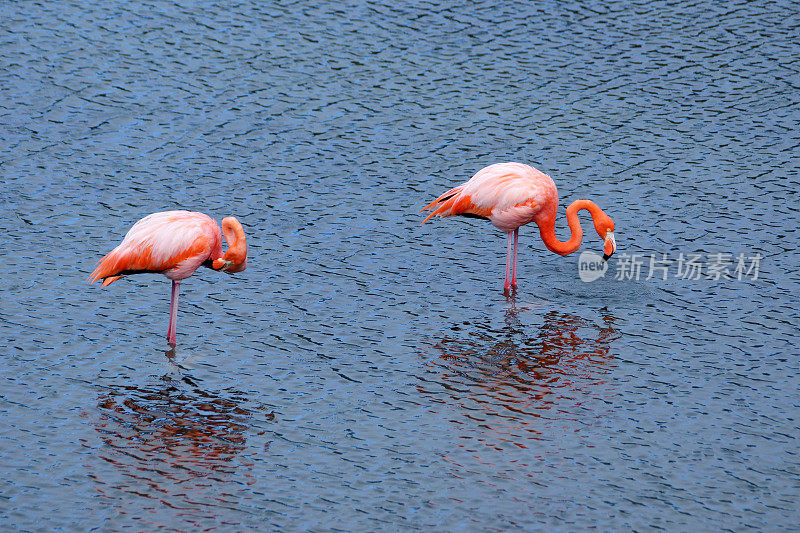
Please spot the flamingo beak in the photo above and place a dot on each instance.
(221, 264)
(610, 245)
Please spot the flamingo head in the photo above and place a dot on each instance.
(605, 228)
(235, 258)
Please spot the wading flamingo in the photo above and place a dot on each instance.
(510, 195)
(174, 243)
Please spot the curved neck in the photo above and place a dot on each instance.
(235, 258)
(547, 228)
(235, 237)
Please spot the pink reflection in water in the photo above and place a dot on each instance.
(508, 386)
(171, 443)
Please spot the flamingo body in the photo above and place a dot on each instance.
(174, 243)
(511, 195)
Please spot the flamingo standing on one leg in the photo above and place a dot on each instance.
(174, 243)
(511, 195)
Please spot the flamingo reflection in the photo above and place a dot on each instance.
(504, 382)
(170, 439)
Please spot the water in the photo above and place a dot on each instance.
(366, 373)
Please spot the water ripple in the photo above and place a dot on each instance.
(365, 373)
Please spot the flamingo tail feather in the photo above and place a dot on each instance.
(455, 202)
(109, 267)
(444, 204)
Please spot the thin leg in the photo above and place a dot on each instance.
(507, 285)
(173, 313)
(514, 264)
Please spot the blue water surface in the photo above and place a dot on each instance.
(366, 373)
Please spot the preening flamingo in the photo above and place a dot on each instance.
(511, 195)
(174, 243)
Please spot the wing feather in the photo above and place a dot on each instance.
(493, 190)
(160, 241)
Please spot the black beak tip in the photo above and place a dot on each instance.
(606, 256)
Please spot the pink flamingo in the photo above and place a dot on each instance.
(174, 243)
(510, 195)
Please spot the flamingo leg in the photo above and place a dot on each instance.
(514, 264)
(173, 313)
(507, 285)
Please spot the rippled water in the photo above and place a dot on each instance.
(366, 372)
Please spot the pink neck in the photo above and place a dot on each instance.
(547, 227)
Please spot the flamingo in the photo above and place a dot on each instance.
(511, 195)
(174, 243)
